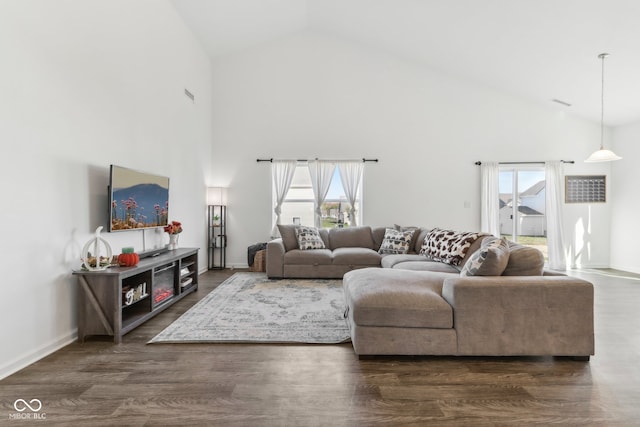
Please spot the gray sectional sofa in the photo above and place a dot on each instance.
(346, 249)
(411, 304)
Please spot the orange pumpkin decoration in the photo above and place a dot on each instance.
(128, 258)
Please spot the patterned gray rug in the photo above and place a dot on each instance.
(249, 308)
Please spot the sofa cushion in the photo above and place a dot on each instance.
(524, 261)
(288, 234)
(447, 246)
(308, 238)
(351, 237)
(308, 257)
(389, 261)
(356, 256)
(427, 265)
(396, 298)
(490, 260)
(396, 242)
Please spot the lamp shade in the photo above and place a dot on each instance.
(216, 196)
(602, 155)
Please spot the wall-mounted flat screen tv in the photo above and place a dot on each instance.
(138, 200)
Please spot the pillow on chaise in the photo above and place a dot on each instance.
(396, 242)
(524, 261)
(490, 260)
(309, 238)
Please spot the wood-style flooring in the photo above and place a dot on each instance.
(99, 383)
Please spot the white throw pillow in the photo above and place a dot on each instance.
(309, 238)
(396, 242)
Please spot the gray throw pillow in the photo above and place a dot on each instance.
(524, 261)
(490, 260)
(288, 234)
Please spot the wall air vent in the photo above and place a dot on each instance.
(190, 95)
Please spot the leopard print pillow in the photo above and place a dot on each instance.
(447, 246)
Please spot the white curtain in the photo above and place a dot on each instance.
(321, 173)
(351, 176)
(282, 172)
(489, 198)
(553, 215)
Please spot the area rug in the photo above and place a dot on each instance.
(250, 308)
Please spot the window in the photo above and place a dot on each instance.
(522, 205)
(299, 206)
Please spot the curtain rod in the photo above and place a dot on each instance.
(306, 160)
(525, 163)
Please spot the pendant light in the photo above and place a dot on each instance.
(602, 155)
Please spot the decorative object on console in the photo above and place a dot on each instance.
(128, 258)
(217, 227)
(101, 256)
(173, 229)
(602, 155)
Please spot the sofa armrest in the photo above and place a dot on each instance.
(522, 315)
(275, 259)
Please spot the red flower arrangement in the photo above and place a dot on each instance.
(174, 228)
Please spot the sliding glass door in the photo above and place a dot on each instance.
(522, 205)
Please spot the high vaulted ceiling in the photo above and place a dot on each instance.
(536, 49)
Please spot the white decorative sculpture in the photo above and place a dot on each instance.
(100, 258)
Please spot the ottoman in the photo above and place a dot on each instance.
(398, 312)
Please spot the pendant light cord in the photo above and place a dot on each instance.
(602, 108)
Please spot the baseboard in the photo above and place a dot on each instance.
(238, 266)
(626, 268)
(229, 266)
(22, 362)
(587, 266)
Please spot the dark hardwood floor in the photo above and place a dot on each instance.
(101, 384)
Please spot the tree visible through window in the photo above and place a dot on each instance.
(298, 206)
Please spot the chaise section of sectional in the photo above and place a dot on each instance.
(549, 315)
(400, 312)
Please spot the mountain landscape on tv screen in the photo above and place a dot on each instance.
(139, 206)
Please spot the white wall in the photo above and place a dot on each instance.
(85, 84)
(625, 231)
(311, 95)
